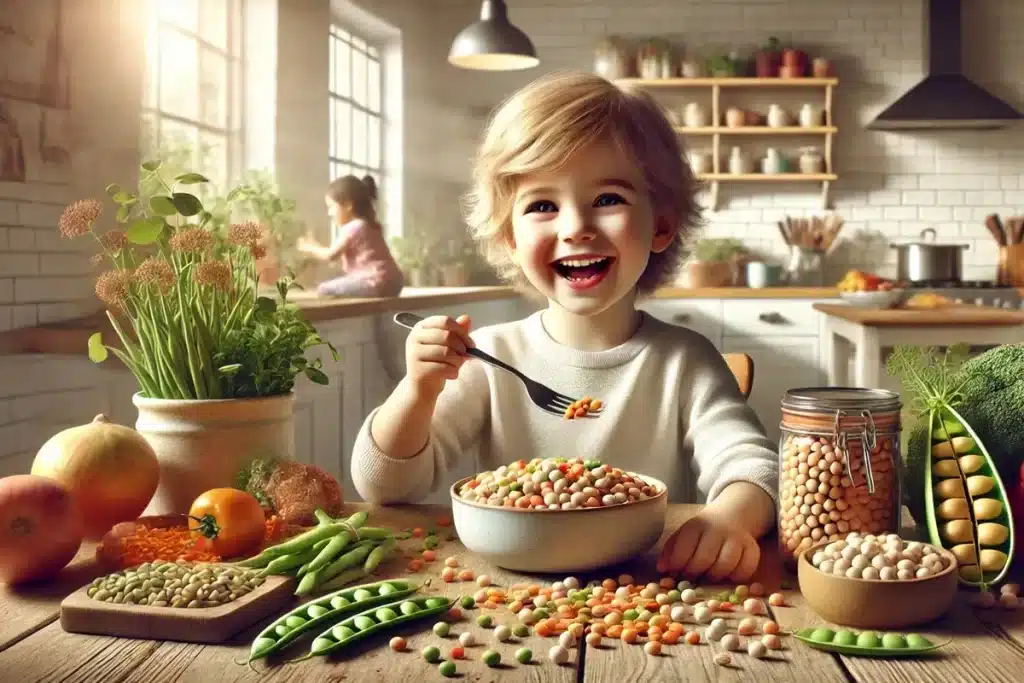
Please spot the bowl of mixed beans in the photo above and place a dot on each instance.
(558, 514)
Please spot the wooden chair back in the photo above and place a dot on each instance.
(742, 367)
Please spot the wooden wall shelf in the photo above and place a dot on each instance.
(828, 130)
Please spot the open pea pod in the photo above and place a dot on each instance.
(324, 610)
(376, 620)
(967, 510)
(866, 643)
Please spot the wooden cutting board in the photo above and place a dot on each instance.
(946, 316)
(81, 614)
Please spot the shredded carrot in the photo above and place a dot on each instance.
(178, 544)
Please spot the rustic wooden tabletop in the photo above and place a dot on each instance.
(987, 645)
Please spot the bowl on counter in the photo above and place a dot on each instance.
(878, 299)
(554, 541)
(874, 603)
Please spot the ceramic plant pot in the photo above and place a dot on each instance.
(202, 445)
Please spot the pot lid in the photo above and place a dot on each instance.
(814, 399)
(928, 242)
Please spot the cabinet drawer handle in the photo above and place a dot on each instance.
(681, 317)
(773, 318)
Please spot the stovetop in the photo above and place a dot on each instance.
(980, 292)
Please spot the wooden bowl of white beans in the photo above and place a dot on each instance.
(559, 540)
(903, 587)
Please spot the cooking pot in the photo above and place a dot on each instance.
(927, 261)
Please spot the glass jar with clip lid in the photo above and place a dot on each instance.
(839, 468)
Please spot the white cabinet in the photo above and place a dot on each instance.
(700, 315)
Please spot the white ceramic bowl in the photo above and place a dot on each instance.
(882, 299)
(549, 541)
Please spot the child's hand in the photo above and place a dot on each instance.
(435, 350)
(711, 546)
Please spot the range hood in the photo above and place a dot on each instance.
(945, 99)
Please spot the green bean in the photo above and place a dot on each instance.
(322, 611)
(285, 563)
(365, 624)
(344, 578)
(307, 583)
(378, 554)
(330, 551)
(296, 544)
(353, 558)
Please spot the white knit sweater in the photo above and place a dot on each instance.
(672, 411)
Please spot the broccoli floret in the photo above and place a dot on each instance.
(992, 402)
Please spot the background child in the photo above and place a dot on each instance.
(370, 270)
(582, 195)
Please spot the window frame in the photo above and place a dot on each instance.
(342, 34)
(152, 111)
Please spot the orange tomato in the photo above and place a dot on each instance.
(229, 522)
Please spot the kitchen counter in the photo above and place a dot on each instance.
(69, 337)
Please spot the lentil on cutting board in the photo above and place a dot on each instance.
(175, 584)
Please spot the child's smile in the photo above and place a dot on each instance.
(583, 271)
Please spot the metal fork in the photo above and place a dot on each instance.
(543, 396)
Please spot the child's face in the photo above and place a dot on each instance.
(339, 213)
(583, 234)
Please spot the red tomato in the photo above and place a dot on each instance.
(229, 522)
(40, 528)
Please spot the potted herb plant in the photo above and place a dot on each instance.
(216, 364)
(714, 263)
(411, 254)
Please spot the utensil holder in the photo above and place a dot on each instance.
(1010, 269)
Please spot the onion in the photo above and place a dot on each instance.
(110, 469)
(40, 528)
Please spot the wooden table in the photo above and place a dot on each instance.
(871, 330)
(987, 645)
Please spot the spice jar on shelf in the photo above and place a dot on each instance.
(611, 59)
(839, 456)
(811, 160)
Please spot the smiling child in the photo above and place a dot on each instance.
(582, 196)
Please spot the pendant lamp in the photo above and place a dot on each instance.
(493, 43)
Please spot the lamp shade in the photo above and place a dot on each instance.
(493, 43)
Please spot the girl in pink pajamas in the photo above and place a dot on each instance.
(370, 270)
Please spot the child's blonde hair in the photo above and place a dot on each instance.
(539, 127)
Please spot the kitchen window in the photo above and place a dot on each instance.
(192, 106)
(355, 96)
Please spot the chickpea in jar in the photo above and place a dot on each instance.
(823, 499)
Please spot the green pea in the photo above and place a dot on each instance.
(339, 601)
(735, 599)
(916, 640)
(315, 611)
(362, 594)
(521, 630)
(385, 614)
(644, 616)
(823, 635)
(893, 641)
(294, 621)
(282, 630)
(523, 655)
(484, 621)
(467, 602)
(430, 542)
(431, 603)
(845, 638)
(341, 632)
(541, 613)
(363, 622)
(868, 639)
(673, 596)
(441, 629)
(630, 615)
(408, 607)
(683, 585)
(491, 658)
(431, 653)
(386, 589)
(447, 669)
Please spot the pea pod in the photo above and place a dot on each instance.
(343, 579)
(305, 540)
(354, 557)
(328, 553)
(379, 554)
(866, 643)
(966, 507)
(375, 620)
(324, 610)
